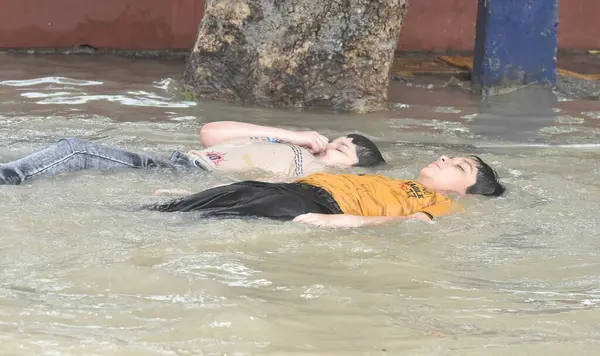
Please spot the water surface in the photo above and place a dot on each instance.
(83, 274)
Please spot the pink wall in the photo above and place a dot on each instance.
(450, 24)
(439, 25)
(163, 24)
(124, 24)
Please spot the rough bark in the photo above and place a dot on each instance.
(296, 53)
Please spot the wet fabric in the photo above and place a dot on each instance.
(74, 154)
(282, 201)
(375, 195)
(264, 154)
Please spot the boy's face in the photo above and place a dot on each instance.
(454, 174)
(340, 152)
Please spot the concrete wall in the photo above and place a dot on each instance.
(171, 24)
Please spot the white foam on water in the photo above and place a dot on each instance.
(569, 120)
(183, 118)
(163, 83)
(557, 130)
(122, 99)
(447, 110)
(35, 95)
(469, 117)
(592, 114)
(46, 80)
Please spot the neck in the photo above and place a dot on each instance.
(428, 184)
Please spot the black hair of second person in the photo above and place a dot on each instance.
(366, 150)
(487, 182)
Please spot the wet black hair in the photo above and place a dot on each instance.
(487, 182)
(367, 152)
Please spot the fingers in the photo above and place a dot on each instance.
(323, 141)
(317, 142)
(310, 218)
(303, 217)
(311, 140)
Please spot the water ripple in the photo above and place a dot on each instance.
(46, 80)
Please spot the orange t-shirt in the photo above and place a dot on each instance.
(374, 195)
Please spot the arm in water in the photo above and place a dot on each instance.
(222, 131)
(345, 220)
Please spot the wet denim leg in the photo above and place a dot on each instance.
(71, 155)
(181, 159)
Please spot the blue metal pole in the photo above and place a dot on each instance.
(516, 44)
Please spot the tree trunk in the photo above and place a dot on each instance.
(296, 53)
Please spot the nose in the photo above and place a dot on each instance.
(443, 159)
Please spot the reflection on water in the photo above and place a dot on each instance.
(84, 274)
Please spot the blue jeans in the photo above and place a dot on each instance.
(73, 154)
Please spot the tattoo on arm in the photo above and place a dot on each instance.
(268, 139)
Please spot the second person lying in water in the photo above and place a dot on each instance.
(229, 146)
(347, 200)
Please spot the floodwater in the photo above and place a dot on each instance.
(83, 273)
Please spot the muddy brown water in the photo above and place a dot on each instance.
(84, 274)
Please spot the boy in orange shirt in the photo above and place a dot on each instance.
(348, 200)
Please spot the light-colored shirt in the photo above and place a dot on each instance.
(279, 158)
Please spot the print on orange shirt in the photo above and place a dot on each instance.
(412, 190)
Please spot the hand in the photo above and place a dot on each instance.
(330, 220)
(311, 140)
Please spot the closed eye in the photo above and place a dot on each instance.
(460, 167)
